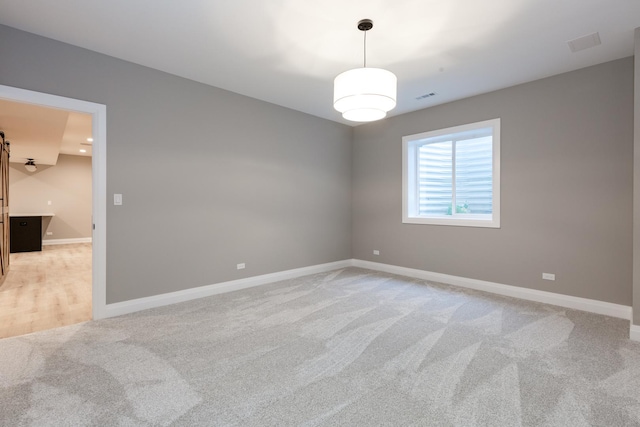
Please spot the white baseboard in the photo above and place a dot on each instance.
(66, 241)
(577, 303)
(131, 306)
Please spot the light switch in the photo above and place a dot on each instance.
(117, 199)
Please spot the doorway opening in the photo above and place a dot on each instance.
(74, 248)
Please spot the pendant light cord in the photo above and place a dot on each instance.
(365, 49)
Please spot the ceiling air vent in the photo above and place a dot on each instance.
(426, 95)
(584, 42)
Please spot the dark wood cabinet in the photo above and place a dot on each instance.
(26, 233)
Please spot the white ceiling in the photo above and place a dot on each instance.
(288, 51)
(41, 133)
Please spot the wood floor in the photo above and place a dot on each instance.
(46, 289)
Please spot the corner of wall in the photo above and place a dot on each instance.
(636, 190)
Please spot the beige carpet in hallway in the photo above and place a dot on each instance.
(46, 289)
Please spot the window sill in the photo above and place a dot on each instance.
(457, 222)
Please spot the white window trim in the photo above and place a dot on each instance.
(408, 185)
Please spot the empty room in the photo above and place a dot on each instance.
(329, 213)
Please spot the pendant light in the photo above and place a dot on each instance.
(30, 166)
(365, 94)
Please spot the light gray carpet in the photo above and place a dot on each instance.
(349, 347)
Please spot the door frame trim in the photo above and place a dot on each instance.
(99, 179)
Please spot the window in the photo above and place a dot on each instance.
(452, 176)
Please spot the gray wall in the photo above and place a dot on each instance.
(566, 188)
(636, 184)
(67, 185)
(209, 178)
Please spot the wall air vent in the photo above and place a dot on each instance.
(426, 95)
(584, 42)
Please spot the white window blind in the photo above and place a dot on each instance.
(452, 174)
(472, 192)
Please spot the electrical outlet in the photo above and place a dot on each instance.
(548, 276)
(240, 266)
(49, 233)
(49, 202)
(117, 199)
(376, 252)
